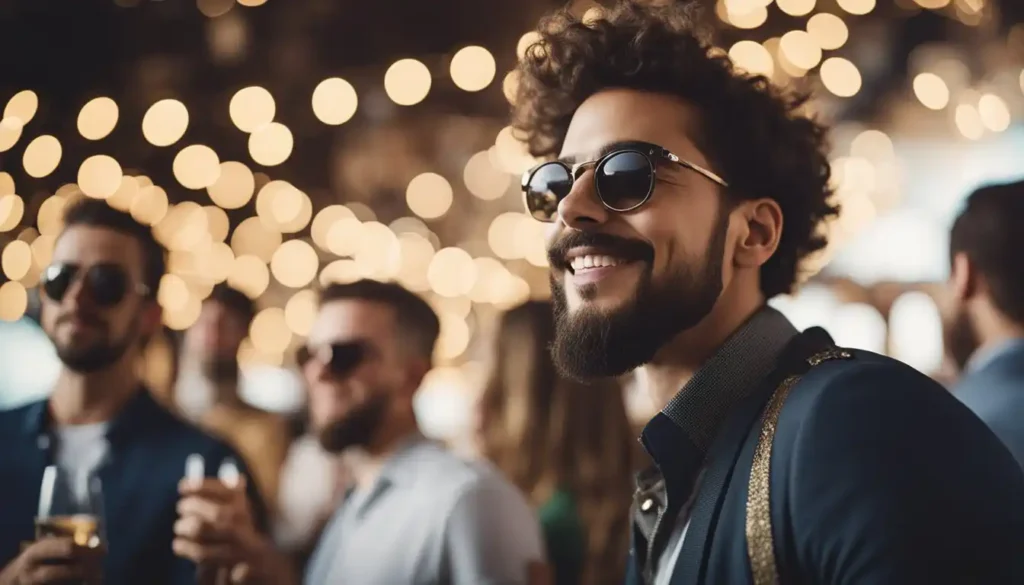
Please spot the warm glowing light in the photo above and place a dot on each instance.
(251, 3)
(12, 210)
(16, 259)
(872, 144)
(510, 85)
(483, 180)
(932, 4)
(42, 156)
(251, 107)
(294, 264)
(341, 272)
(13, 301)
(300, 311)
(407, 82)
(995, 114)
(6, 183)
(97, 118)
(840, 77)
(334, 101)
(429, 195)
(525, 41)
(23, 106)
(968, 121)
(828, 30)
(165, 122)
(254, 238)
(214, 8)
(150, 205)
(196, 167)
(99, 176)
(10, 132)
(452, 272)
(324, 221)
(50, 218)
(234, 186)
(746, 17)
(473, 68)
(931, 90)
(250, 275)
(857, 7)
(800, 48)
(796, 7)
(271, 144)
(269, 331)
(753, 58)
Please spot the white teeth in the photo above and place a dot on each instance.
(593, 261)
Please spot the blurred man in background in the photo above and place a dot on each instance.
(212, 379)
(417, 513)
(983, 313)
(99, 308)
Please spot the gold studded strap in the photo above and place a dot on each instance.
(760, 542)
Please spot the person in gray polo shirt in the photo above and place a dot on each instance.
(417, 513)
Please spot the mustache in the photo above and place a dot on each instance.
(613, 245)
(83, 317)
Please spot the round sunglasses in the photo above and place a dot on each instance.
(341, 358)
(106, 284)
(624, 179)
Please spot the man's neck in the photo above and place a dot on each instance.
(93, 397)
(679, 359)
(366, 463)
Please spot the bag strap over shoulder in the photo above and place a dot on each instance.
(760, 541)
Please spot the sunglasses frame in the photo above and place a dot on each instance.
(365, 347)
(80, 273)
(651, 152)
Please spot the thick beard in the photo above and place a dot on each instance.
(356, 429)
(960, 338)
(99, 356)
(592, 344)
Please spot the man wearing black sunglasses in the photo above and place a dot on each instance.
(99, 308)
(417, 513)
(682, 195)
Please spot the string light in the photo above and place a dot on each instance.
(931, 91)
(97, 118)
(271, 144)
(42, 156)
(23, 106)
(334, 101)
(841, 77)
(828, 30)
(473, 68)
(429, 195)
(165, 122)
(251, 107)
(407, 82)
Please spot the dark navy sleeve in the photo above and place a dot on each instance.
(892, 481)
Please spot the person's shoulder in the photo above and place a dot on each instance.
(18, 419)
(460, 477)
(858, 377)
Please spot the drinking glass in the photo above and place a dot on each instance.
(71, 505)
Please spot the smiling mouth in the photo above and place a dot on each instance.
(588, 262)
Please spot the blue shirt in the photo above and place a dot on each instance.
(148, 448)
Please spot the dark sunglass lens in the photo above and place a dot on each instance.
(549, 184)
(107, 284)
(345, 357)
(624, 180)
(57, 279)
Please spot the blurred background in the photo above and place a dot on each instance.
(279, 144)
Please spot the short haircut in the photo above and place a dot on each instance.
(989, 230)
(97, 213)
(755, 134)
(234, 301)
(415, 319)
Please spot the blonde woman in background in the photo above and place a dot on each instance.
(568, 446)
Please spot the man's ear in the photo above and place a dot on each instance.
(964, 278)
(760, 232)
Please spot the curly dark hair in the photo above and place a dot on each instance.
(754, 133)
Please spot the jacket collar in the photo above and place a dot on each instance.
(140, 414)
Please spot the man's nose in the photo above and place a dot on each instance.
(582, 208)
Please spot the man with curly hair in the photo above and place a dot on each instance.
(682, 195)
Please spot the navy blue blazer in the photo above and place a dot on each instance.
(995, 392)
(148, 448)
(878, 476)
